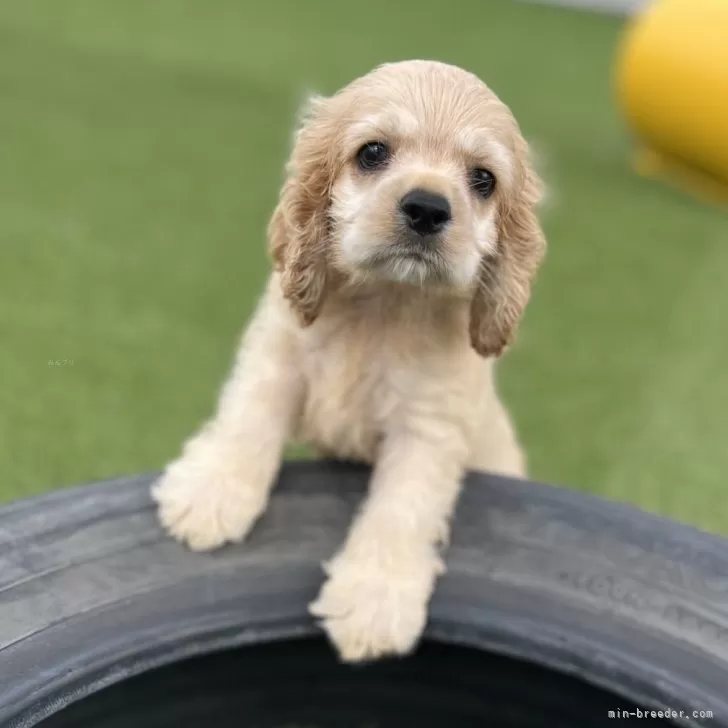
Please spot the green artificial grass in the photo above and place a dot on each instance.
(142, 149)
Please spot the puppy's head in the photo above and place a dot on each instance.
(416, 173)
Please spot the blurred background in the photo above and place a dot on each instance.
(141, 151)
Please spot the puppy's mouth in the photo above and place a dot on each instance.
(405, 259)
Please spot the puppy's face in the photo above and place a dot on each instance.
(416, 173)
(424, 161)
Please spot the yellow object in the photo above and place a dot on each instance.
(672, 84)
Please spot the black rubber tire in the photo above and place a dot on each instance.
(92, 592)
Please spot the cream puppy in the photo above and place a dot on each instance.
(405, 242)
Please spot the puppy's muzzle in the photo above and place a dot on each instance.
(427, 213)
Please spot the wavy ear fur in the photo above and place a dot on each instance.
(504, 285)
(299, 228)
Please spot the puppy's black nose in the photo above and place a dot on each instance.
(425, 212)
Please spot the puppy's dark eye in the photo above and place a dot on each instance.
(372, 155)
(483, 182)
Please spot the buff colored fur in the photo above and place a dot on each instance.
(373, 357)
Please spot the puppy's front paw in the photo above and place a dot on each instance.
(370, 612)
(204, 505)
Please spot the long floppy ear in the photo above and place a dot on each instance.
(299, 228)
(504, 284)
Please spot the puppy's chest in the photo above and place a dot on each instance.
(357, 380)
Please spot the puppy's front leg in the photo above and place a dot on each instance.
(220, 484)
(375, 600)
